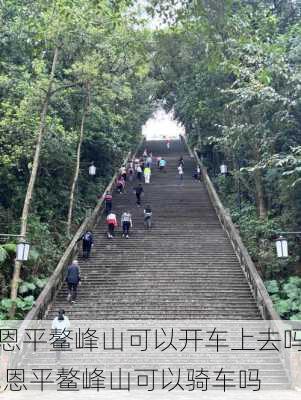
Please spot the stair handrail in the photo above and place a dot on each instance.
(260, 293)
(258, 289)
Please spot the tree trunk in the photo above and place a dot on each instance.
(261, 204)
(74, 183)
(32, 180)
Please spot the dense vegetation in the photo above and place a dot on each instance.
(78, 79)
(231, 72)
(74, 76)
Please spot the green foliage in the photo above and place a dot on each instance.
(101, 46)
(10, 248)
(230, 70)
(33, 286)
(286, 295)
(272, 286)
(23, 305)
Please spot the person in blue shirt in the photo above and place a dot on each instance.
(162, 164)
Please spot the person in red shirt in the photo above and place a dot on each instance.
(111, 222)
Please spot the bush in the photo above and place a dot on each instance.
(286, 295)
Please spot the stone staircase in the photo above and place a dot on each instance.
(183, 269)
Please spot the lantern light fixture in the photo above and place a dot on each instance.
(223, 169)
(92, 169)
(22, 252)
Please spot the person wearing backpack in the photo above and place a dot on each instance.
(111, 222)
(126, 223)
(87, 239)
(148, 216)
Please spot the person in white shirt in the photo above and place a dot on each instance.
(126, 223)
(139, 173)
(61, 322)
(60, 325)
(181, 171)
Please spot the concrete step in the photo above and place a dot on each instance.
(183, 268)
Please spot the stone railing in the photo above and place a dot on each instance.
(258, 289)
(260, 294)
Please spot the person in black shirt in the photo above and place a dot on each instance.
(108, 203)
(138, 191)
(87, 239)
(147, 216)
(73, 279)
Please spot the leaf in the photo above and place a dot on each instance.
(6, 304)
(26, 287)
(41, 282)
(25, 304)
(283, 307)
(272, 286)
(10, 248)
